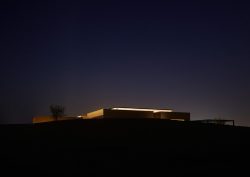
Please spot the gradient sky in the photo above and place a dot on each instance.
(186, 55)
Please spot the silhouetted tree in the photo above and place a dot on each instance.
(57, 111)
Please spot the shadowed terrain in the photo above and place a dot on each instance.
(124, 147)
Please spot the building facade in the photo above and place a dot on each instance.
(139, 113)
(120, 113)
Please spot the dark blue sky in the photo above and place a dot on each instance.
(188, 56)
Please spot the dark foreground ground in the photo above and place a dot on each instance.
(140, 147)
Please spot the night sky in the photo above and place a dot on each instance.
(186, 55)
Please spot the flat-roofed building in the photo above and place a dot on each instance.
(139, 113)
(127, 113)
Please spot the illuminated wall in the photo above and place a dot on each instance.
(42, 119)
(96, 114)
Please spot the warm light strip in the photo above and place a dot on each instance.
(137, 109)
